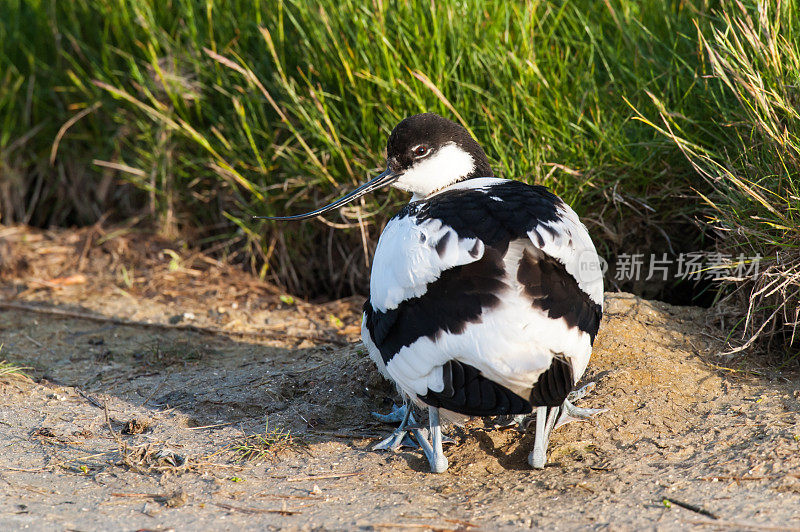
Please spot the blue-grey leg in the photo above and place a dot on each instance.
(400, 436)
(433, 449)
(570, 412)
(538, 457)
(549, 419)
(580, 393)
(545, 421)
(397, 415)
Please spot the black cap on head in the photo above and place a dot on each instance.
(432, 131)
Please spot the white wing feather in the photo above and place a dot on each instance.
(406, 259)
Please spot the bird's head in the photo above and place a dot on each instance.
(425, 153)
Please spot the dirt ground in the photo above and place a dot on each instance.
(156, 371)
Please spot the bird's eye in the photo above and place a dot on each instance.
(420, 151)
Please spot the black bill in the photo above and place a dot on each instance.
(382, 180)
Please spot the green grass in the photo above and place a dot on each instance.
(752, 174)
(257, 447)
(198, 114)
(10, 369)
(211, 111)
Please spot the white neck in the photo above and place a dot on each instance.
(448, 165)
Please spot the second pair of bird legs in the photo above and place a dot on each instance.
(400, 437)
(547, 419)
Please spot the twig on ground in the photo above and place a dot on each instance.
(57, 464)
(211, 426)
(734, 370)
(279, 496)
(737, 479)
(27, 469)
(322, 477)
(247, 510)
(111, 430)
(690, 507)
(92, 400)
(345, 435)
(40, 345)
(158, 387)
(446, 519)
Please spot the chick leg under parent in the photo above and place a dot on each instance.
(400, 436)
(431, 445)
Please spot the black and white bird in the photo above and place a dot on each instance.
(485, 294)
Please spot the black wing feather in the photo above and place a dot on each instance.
(553, 289)
(472, 215)
(468, 392)
(553, 385)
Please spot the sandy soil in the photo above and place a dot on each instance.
(162, 362)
